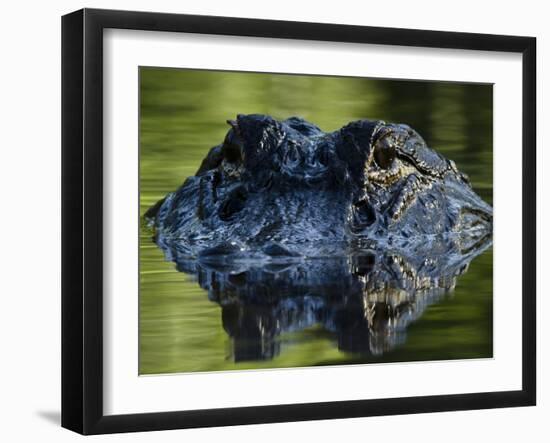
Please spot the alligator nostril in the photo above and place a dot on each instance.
(363, 215)
(233, 204)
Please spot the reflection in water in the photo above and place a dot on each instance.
(183, 113)
(366, 300)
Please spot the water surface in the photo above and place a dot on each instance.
(183, 114)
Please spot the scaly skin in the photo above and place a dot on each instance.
(287, 189)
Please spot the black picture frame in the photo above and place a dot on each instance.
(82, 218)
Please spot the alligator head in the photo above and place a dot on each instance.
(286, 188)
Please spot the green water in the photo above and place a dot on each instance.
(183, 114)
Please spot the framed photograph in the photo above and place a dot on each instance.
(269, 221)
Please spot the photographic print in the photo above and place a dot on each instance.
(297, 220)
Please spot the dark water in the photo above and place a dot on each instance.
(191, 321)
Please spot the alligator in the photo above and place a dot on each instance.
(279, 190)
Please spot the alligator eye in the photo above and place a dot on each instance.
(233, 204)
(384, 152)
(233, 144)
